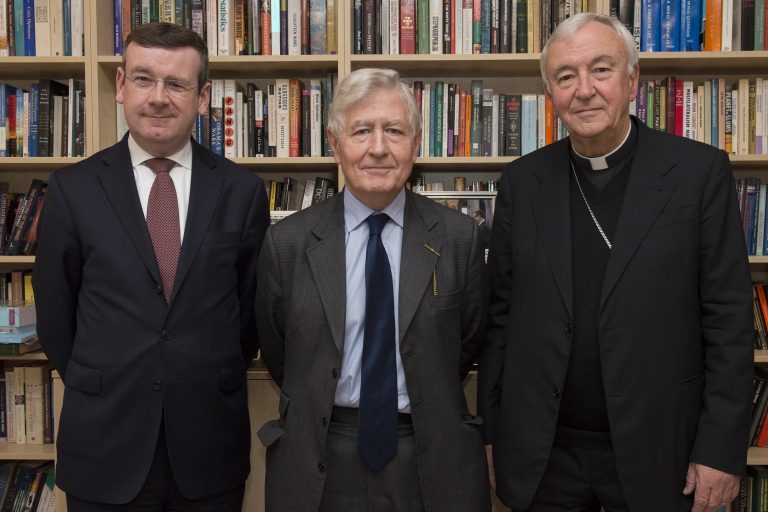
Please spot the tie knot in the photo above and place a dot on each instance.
(160, 165)
(376, 222)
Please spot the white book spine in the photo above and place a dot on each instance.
(541, 121)
(211, 24)
(700, 113)
(275, 12)
(240, 126)
(435, 27)
(466, 32)
(743, 116)
(282, 108)
(727, 26)
(384, 25)
(735, 120)
(394, 27)
(458, 28)
(294, 27)
(4, 51)
(33, 404)
(210, 9)
(42, 29)
(10, 404)
(226, 27)
(759, 113)
(77, 27)
(764, 93)
(20, 410)
(427, 120)
(316, 117)
(56, 15)
(495, 126)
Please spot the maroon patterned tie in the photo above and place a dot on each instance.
(163, 222)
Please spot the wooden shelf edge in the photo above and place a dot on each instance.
(12, 451)
(757, 456)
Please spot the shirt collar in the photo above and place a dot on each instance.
(612, 158)
(182, 157)
(355, 212)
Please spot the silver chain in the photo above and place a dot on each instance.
(591, 213)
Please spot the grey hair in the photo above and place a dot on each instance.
(571, 25)
(361, 85)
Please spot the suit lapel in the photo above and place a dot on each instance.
(551, 206)
(204, 195)
(417, 262)
(117, 179)
(327, 259)
(644, 199)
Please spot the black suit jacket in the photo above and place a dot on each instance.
(127, 357)
(674, 329)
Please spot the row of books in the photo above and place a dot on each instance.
(399, 27)
(45, 119)
(753, 491)
(480, 122)
(730, 116)
(35, 28)
(26, 396)
(285, 118)
(239, 27)
(751, 195)
(760, 310)
(19, 214)
(290, 194)
(27, 486)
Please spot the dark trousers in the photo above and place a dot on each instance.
(161, 494)
(579, 480)
(350, 486)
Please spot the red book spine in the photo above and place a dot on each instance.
(407, 27)
(679, 108)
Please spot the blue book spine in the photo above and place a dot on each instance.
(20, 131)
(753, 219)
(67, 19)
(18, 20)
(748, 215)
(29, 28)
(3, 121)
(714, 106)
(33, 118)
(117, 19)
(437, 116)
(199, 129)
(692, 25)
(485, 20)
(651, 39)
(670, 26)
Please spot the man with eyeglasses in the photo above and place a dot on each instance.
(145, 278)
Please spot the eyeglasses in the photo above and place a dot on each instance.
(147, 84)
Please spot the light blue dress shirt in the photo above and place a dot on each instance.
(356, 239)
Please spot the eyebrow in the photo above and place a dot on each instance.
(600, 58)
(142, 69)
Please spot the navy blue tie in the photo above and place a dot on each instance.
(377, 421)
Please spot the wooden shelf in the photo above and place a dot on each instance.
(463, 163)
(258, 66)
(757, 456)
(304, 164)
(31, 356)
(12, 451)
(527, 64)
(35, 164)
(761, 356)
(42, 67)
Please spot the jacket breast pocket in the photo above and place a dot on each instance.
(83, 378)
(221, 238)
(445, 301)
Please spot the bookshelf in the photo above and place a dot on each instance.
(518, 73)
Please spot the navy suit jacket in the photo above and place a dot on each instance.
(129, 359)
(674, 328)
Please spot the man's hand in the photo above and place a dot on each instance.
(713, 487)
(491, 471)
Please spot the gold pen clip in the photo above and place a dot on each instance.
(434, 272)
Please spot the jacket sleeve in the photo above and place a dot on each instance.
(269, 310)
(57, 276)
(256, 225)
(474, 311)
(491, 364)
(727, 326)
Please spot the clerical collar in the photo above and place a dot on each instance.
(607, 161)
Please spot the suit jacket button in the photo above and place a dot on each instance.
(166, 335)
(157, 386)
(321, 467)
(159, 288)
(556, 393)
(324, 421)
(335, 373)
(568, 328)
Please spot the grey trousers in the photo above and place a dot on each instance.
(350, 486)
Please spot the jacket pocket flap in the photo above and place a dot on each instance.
(221, 238)
(232, 376)
(472, 420)
(270, 432)
(83, 378)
